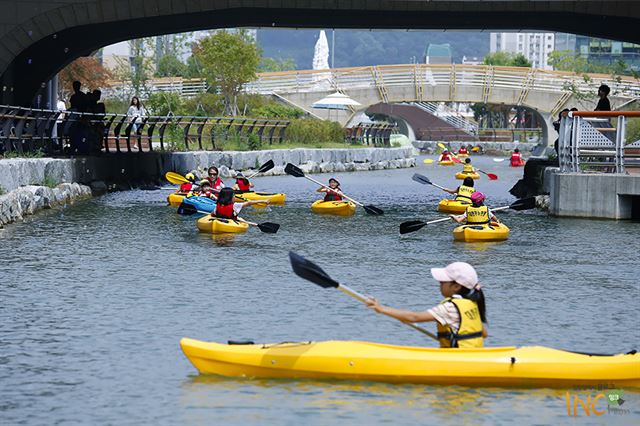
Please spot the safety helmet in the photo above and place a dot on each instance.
(190, 177)
(477, 197)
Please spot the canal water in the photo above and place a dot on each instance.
(95, 297)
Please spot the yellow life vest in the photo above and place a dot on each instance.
(469, 334)
(477, 215)
(468, 168)
(464, 193)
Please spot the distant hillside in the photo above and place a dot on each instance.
(359, 48)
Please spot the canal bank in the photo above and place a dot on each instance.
(26, 184)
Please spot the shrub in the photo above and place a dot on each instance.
(49, 182)
(312, 131)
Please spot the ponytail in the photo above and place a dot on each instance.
(476, 295)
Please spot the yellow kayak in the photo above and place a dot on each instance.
(278, 198)
(462, 155)
(452, 206)
(481, 233)
(175, 199)
(339, 208)
(526, 366)
(462, 175)
(212, 225)
(446, 163)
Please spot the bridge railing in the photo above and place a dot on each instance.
(454, 77)
(596, 141)
(25, 131)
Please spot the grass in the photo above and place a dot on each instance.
(49, 182)
(2, 191)
(14, 154)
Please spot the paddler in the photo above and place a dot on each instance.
(463, 151)
(461, 317)
(516, 158)
(187, 187)
(464, 191)
(205, 189)
(226, 207)
(445, 156)
(333, 194)
(477, 213)
(214, 179)
(242, 184)
(467, 168)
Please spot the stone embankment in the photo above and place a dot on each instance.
(29, 199)
(491, 148)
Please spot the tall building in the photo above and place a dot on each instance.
(608, 51)
(565, 42)
(536, 47)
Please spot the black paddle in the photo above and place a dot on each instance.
(414, 225)
(266, 227)
(311, 272)
(425, 181)
(264, 168)
(295, 171)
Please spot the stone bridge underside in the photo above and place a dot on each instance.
(39, 37)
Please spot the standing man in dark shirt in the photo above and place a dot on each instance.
(603, 103)
(78, 100)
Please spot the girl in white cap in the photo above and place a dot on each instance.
(461, 317)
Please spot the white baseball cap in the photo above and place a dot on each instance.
(460, 272)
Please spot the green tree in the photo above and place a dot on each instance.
(507, 59)
(277, 65)
(194, 68)
(171, 66)
(228, 61)
(137, 68)
(520, 60)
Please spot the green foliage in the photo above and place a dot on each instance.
(228, 61)
(194, 68)
(162, 103)
(171, 66)
(49, 182)
(506, 59)
(574, 62)
(204, 104)
(277, 110)
(136, 69)
(305, 131)
(253, 142)
(38, 153)
(2, 190)
(633, 130)
(277, 65)
(116, 105)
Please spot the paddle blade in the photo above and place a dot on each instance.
(268, 227)
(441, 145)
(524, 204)
(175, 178)
(421, 179)
(499, 160)
(373, 210)
(491, 176)
(456, 160)
(187, 209)
(411, 226)
(266, 166)
(311, 272)
(427, 161)
(292, 170)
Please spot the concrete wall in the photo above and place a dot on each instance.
(603, 196)
(150, 167)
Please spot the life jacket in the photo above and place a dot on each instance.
(225, 211)
(445, 157)
(464, 193)
(332, 196)
(469, 335)
(186, 187)
(468, 168)
(516, 159)
(215, 184)
(463, 151)
(207, 193)
(477, 215)
(242, 186)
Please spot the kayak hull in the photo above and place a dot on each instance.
(204, 204)
(175, 199)
(481, 233)
(462, 175)
(351, 360)
(338, 208)
(446, 163)
(278, 198)
(220, 226)
(452, 206)
(462, 155)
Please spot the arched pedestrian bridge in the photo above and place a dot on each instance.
(547, 92)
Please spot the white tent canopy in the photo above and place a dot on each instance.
(336, 100)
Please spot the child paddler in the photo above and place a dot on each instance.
(477, 213)
(467, 167)
(464, 191)
(242, 184)
(226, 208)
(333, 194)
(461, 317)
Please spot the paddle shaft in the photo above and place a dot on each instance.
(444, 219)
(333, 190)
(363, 298)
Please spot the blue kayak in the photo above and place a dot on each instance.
(204, 204)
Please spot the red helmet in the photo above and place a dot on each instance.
(477, 197)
